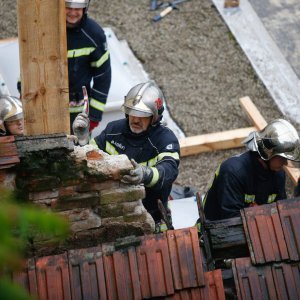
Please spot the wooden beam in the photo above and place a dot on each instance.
(214, 141)
(255, 116)
(43, 63)
(258, 121)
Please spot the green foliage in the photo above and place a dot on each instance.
(18, 222)
(9, 291)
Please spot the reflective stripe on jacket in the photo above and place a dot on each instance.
(239, 182)
(88, 60)
(157, 148)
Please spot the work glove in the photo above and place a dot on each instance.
(93, 124)
(80, 128)
(140, 174)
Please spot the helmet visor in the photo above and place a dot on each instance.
(136, 112)
(293, 155)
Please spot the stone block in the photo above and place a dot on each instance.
(37, 184)
(93, 185)
(119, 209)
(128, 193)
(37, 196)
(80, 200)
(110, 167)
(82, 219)
(8, 179)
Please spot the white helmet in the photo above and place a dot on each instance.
(10, 110)
(145, 100)
(77, 3)
(277, 138)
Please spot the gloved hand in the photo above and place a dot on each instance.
(138, 175)
(80, 128)
(93, 124)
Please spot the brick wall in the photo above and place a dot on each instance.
(83, 185)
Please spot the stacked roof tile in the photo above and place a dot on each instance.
(168, 265)
(273, 237)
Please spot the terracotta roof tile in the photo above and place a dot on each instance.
(289, 212)
(264, 234)
(168, 264)
(87, 274)
(276, 281)
(53, 278)
(186, 259)
(8, 152)
(155, 266)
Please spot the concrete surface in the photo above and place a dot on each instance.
(268, 32)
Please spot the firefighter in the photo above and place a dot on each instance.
(152, 148)
(256, 176)
(88, 62)
(11, 116)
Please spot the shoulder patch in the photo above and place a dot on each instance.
(170, 147)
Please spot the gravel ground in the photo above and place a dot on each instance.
(196, 61)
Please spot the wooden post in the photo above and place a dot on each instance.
(43, 64)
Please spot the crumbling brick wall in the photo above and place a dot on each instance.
(83, 185)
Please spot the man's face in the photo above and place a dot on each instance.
(73, 16)
(15, 127)
(139, 124)
(277, 163)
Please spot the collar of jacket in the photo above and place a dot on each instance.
(129, 133)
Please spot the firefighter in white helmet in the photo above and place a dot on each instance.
(88, 62)
(152, 148)
(256, 176)
(11, 116)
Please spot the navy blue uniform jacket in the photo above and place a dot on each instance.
(88, 59)
(157, 148)
(240, 181)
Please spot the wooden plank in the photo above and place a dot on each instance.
(255, 116)
(43, 61)
(259, 122)
(214, 141)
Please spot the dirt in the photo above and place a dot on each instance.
(196, 61)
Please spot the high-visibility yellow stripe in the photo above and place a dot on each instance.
(97, 105)
(93, 142)
(76, 109)
(110, 149)
(272, 198)
(175, 155)
(153, 161)
(249, 198)
(154, 178)
(80, 52)
(100, 61)
(218, 171)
